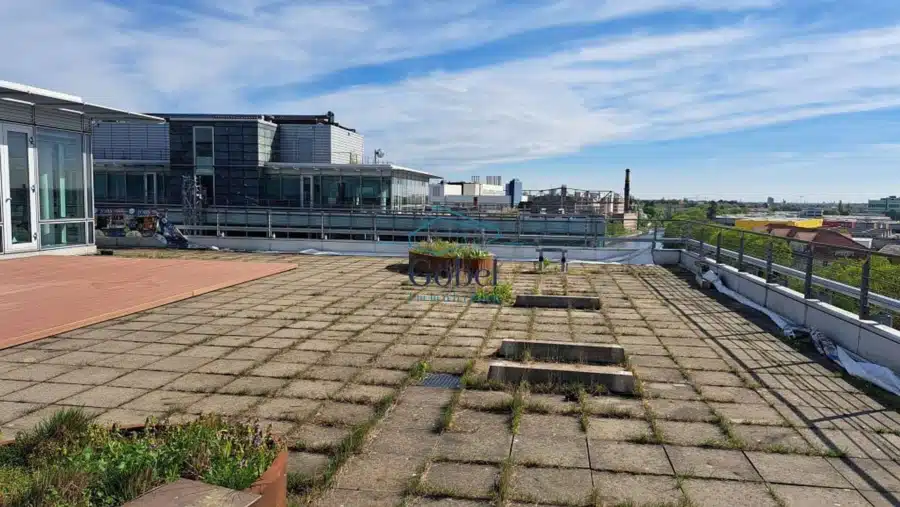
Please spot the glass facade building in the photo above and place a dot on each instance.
(46, 183)
(241, 161)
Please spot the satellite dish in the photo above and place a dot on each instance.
(379, 153)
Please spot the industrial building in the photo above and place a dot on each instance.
(288, 161)
(563, 200)
(492, 194)
(45, 169)
(884, 205)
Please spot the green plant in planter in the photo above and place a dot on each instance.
(81, 464)
(449, 250)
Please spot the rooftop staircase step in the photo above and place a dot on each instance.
(614, 378)
(549, 301)
(560, 351)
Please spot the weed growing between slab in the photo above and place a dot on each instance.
(66, 460)
(517, 408)
(448, 413)
(497, 294)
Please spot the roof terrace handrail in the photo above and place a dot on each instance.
(876, 299)
(859, 250)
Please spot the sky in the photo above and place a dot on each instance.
(730, 99)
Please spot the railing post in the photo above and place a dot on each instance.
(864, 289)
(218, 233)
(322, 226)
(769, 262)
(807, 284)
(269, 223)
(719, 248)
(740, 261)
(655, 235)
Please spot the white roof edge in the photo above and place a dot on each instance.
(100, 111)
(415, 171)
(41, 92)
(68, 103)
(309, 165)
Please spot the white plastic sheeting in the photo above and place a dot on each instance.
(881, 376)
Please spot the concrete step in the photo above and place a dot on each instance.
(548, 301)
(614, 378)
(559, 351)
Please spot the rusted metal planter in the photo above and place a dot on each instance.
(272, 484)
(422, 264)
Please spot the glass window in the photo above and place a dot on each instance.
(203, 147)
(134, 188)
(100, 185)
(351, 189)
(61, 175)
(116, 187)
(330, 190)
(273, 187)
(89, 166)
(291, 189)
(63, 234)
(371, 191)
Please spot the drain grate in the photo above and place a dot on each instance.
(443, 380)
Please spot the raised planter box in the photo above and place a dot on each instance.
(272, 484)
(270, 490)
(430, 264)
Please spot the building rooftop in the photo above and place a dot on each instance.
(41, 98)
(728, 410)
(349, 167)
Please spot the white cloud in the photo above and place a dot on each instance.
(651, 84)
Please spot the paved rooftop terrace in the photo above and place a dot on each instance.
(729, 413)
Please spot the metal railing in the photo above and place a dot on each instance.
(144, 154)
(855, 279)
(509, 227)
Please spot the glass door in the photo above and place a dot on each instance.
(150, 188)
(19, 189)
(307, 192)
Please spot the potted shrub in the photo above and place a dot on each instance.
(440, 256)
(67, 460)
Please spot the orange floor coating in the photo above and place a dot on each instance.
(46, 295)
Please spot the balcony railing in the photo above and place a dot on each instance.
(155, 155)
(857, 280)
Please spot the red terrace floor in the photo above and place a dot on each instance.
(46, 295)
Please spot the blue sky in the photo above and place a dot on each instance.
(737, 99)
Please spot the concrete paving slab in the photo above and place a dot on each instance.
(711, 463)
(461, 479)
(627, 457)
(551, 485)
(797, 469)
(631, 489)
(805, 496)
(712, 493)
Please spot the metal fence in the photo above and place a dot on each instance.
(855, 279)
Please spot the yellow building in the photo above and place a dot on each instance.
(752, 223)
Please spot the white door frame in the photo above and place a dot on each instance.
(32, 190)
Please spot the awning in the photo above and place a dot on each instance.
(40, 98)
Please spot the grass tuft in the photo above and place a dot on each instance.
(504, 482)
(418, 371)
(517, 408)
(448, 413)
